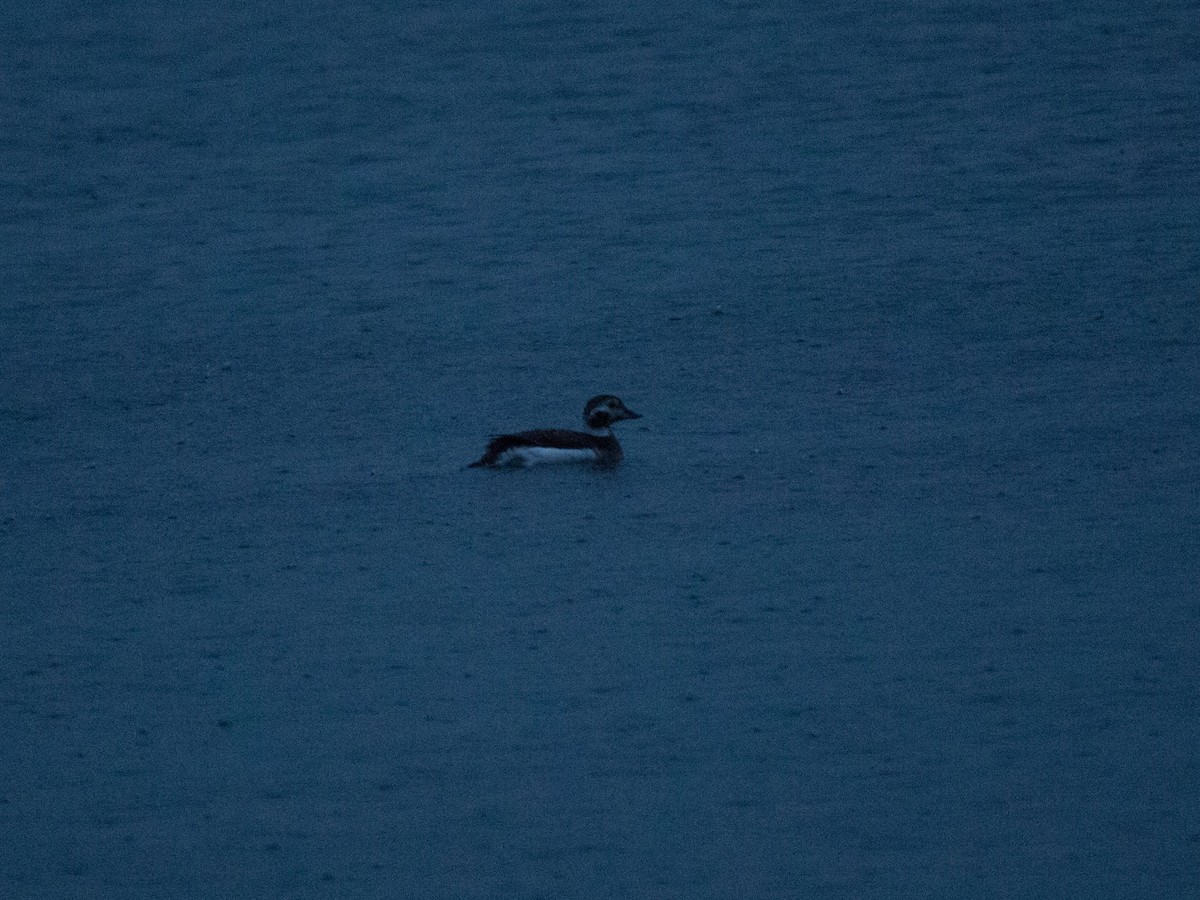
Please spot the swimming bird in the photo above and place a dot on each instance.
(596, 445)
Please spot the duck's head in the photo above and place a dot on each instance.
(601, 411)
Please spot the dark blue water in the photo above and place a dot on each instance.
(894, 596)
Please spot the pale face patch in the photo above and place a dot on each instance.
(601, 411)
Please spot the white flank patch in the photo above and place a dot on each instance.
(528, 456)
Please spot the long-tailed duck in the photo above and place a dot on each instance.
(596, 445)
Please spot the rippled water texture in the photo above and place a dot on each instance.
(894, 595)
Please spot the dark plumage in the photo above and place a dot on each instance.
(560, 444)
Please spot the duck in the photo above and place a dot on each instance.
(597, 445)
